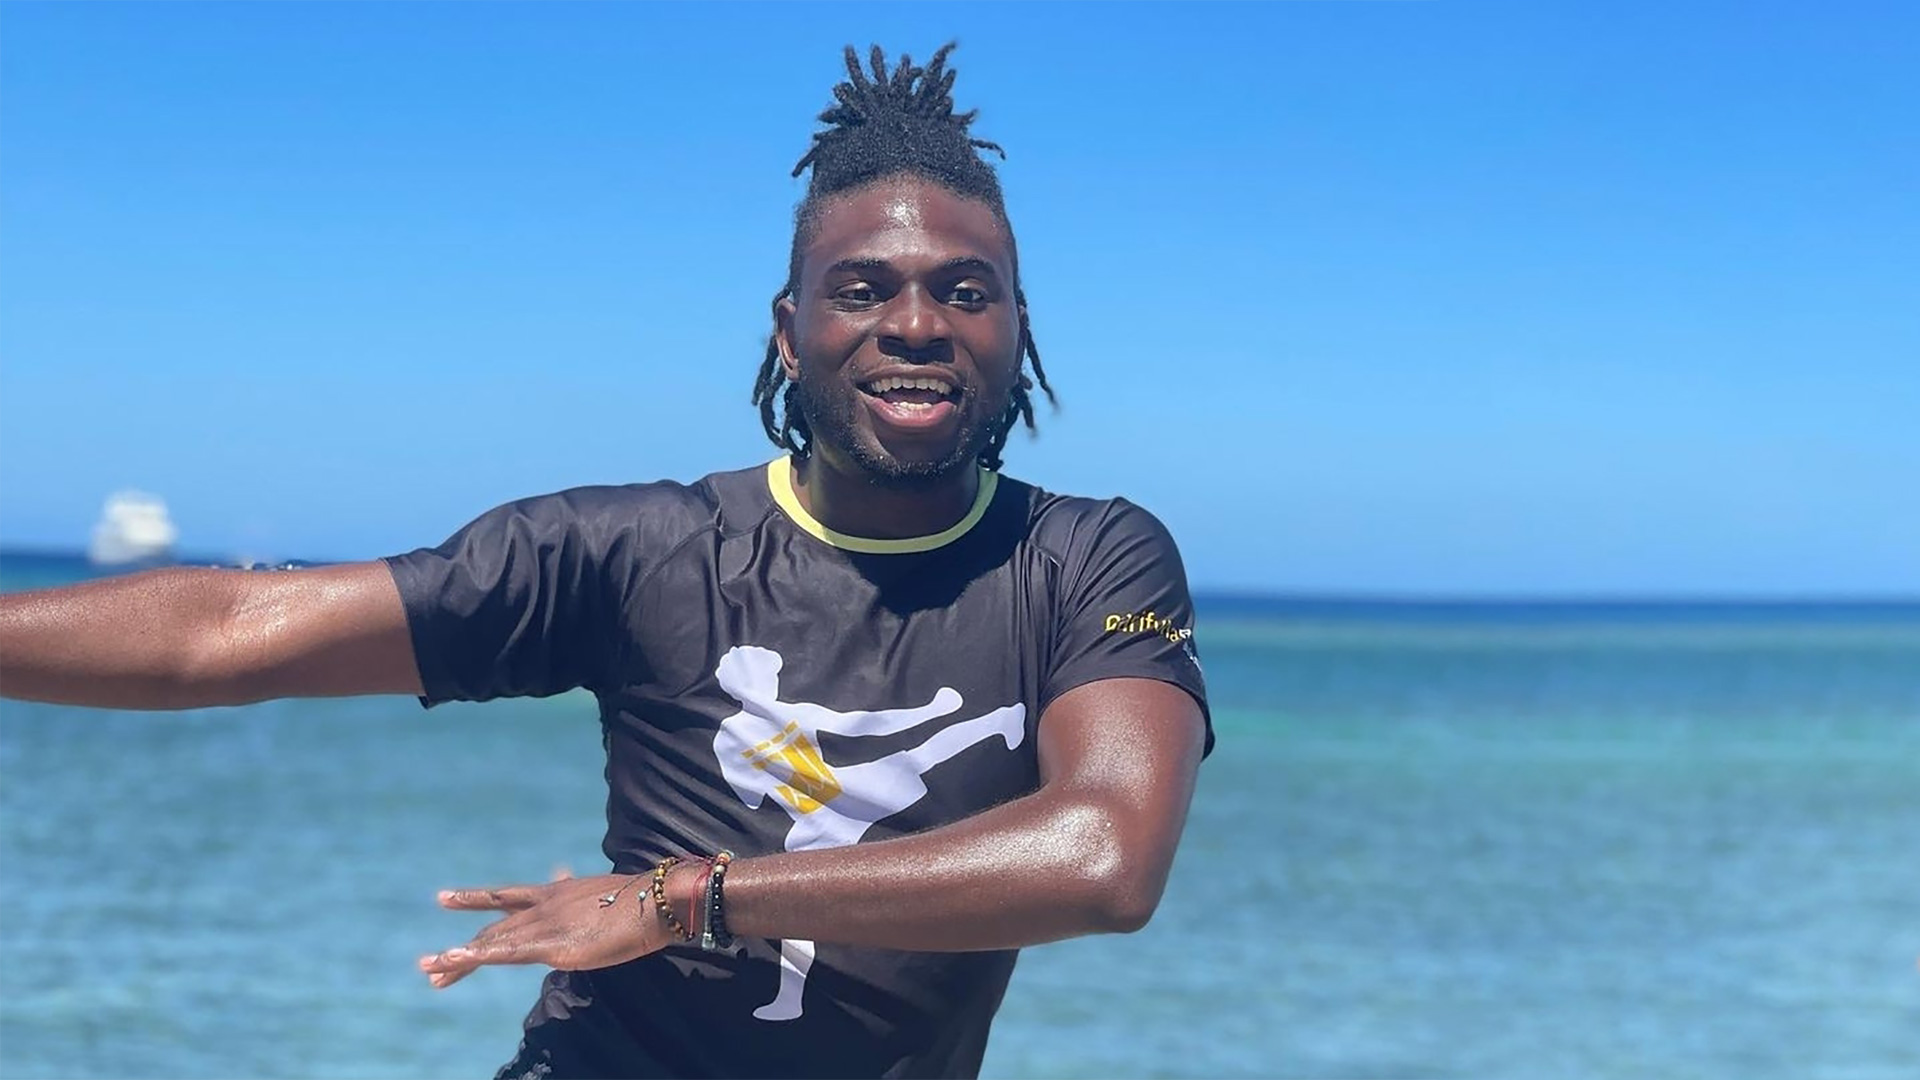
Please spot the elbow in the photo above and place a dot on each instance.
(201, 669)
(1131, 892)
(1120, 879)
(204, 664)
(1125, 914)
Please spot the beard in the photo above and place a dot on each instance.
(831, 422)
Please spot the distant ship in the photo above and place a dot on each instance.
(134, 527)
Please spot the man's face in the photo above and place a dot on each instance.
(904, 337)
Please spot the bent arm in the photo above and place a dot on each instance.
(186, 638)
(1089, 852)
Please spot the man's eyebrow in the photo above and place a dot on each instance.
(858, 264)
(864, 264)
(971, 263)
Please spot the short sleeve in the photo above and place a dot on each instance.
(523, 602)
(1124, 610)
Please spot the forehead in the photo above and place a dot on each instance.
(903, 220)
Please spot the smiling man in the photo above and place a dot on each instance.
(875, 716)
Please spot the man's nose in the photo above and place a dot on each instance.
(917, 322)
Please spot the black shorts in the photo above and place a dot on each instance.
(570, 1036)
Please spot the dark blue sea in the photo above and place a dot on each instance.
(1436, 840)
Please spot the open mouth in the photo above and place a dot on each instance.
(912, 402)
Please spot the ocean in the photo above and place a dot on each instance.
(1435, 840)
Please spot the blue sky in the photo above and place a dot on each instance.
(1436, 298)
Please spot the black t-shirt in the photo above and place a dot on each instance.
(767, 684)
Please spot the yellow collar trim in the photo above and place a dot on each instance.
(780, 482)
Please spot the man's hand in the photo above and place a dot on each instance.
(570, 924)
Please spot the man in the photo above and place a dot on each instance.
(875, 716)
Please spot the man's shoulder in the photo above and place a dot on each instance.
(614, 503)
(657, 511)
(1068, 526)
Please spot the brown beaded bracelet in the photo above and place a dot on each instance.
(659, 892)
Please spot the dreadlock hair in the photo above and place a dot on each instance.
(892, 123)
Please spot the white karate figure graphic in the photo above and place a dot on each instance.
(771, 747)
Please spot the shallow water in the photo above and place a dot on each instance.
(1433, 841)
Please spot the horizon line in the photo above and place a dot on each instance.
(1271, 595)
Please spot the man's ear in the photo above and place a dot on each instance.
(783, 336)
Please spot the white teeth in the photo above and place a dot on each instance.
(881, 386)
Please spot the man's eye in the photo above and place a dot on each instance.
(968, 295)
(858, 294)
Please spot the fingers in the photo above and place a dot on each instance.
(501, 898)
(441, 982)
(561, 873)
(443, 969)
(570, 923)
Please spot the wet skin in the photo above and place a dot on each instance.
(901, 278)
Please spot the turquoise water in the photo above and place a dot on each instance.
(1435, 841)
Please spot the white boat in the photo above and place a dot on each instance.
(134, 527)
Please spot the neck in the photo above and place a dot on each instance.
(852, 502)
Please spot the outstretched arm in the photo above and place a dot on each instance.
(1088, 852)
(185, 638)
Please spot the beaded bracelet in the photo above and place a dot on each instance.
(713, 932)
(659, 892)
